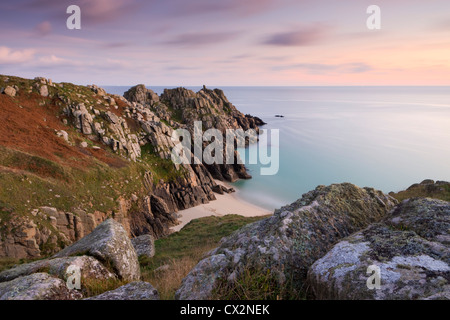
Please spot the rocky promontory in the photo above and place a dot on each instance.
(99, 156)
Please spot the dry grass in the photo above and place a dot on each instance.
(168, 279)
(180, 252)
(93, 287)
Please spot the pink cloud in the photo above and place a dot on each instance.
(9, 56)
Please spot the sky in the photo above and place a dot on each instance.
(228, 42)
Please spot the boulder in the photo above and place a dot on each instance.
(132, 291)
(89, 268)
(43, 91)
(411, 248)
(109, 243)
(38, 286)
(289, 242)
(10, 91)
(63, 134)
(144, 245)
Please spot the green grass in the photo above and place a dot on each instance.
(161, 168)
(181, 251)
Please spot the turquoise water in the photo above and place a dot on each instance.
(384, 137)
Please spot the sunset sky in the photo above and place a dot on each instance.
(228, 42)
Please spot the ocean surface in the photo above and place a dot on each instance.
(383, 137)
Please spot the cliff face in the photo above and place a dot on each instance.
(180, 108)
(100, 156)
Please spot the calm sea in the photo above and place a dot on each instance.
(383, 137)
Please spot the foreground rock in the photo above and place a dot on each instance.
(88, 266)
(132, 291)
(290, 241)
(411, 248)
(144, 245)
(109, 243)
(38, 286)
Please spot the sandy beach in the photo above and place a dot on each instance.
(225, 204)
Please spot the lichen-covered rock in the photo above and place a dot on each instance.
(132, 291)
(291, 240)
(109, 243)
(144, 245)
(411, 247)
(38, 286)
(89, 268)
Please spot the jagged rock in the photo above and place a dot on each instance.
(411, 247)
(221, 189)
(41, 80)
(255, 120)
(158, 205)
(21, 238)
(109, 243)
(100, 91)
(38, 286)
(9, 91)
(132, 291)
(290, 241)
(90, 268)
(84, 144)
(144, 245)
(141, 95)
(83, 120)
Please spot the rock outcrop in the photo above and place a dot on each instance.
(290, 241)
(180, 108)
(144, 245)
(89, 267)
(411, 248)
(23, 237)
(38, 286)
(108, 256)
(132, 291)
(109, 243)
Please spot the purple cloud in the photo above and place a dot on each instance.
(201, 38)
(302, 36)
(236, 7)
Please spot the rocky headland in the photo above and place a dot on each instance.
(59, 136)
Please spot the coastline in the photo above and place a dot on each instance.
(224, 205)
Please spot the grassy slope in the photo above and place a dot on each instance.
(40, 169)
(181, 251)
